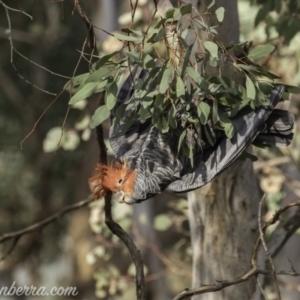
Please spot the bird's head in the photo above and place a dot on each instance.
(117, 178)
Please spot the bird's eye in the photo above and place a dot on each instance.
(120, 181)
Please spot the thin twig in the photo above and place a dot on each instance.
(16, 235)
(266, 247)
(16, 10)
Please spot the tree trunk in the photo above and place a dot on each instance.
(223, 214)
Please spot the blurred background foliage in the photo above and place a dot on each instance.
(51, 169)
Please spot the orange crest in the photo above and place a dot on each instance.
(113, 178)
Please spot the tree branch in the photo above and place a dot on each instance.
(16, 235)
(114, 227)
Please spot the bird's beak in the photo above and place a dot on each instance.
(121, 197)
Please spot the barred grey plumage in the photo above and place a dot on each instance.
(154, 154)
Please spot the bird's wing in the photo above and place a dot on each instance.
(247, 124)
(126, 143)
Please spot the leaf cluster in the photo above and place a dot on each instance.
(285, 21)
(189, 90)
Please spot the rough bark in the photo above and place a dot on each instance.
(223, 214)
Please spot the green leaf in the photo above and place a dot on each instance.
(164, 84)
(251, 92)
(83, 93)
(129, 30)
(173, 13)
(194, 75)
(209, 135)
(203, 110)
(100, 115)
(148, 62)
(76, 81)
(135, 56)
(186, 9)
(162, 124)
(191, 154)
(261, 51)
(292, 89)
(101, 86)
(162, 222)
(186, 59)
(144, 114)
(127, 38)
(104, 59)
(216, 117)
(160, 34)
(228, 129)
(100, 74)
(172, 117)
(181, 138)
(111, 96)
(180, 87)
(246, 155)
(212, 48)
(220, 14)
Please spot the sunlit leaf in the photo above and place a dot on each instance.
(76, 81)
(127, 38)
(251, 92)
(111, 96)
(164, 85)
(203, 110)
(181, 138)
(220, 13)
(212, 48)
(180, 87)
(83, 93)
(261, 51)
(100, 115)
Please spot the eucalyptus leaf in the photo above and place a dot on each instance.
(104, 59)
(220, 14)
(250, 87)
(100, 115)
(180, 87)
(127, 38)
(212, 48)
(76, 81)
(98, 75)
(165, 84)
(83, 93)
(261, 51)
(203, 111)
(111, 96)
(292, 89)
(181, 138)
(172, 117)
(135, 56)
(186, 9)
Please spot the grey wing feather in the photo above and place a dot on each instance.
(125, 145)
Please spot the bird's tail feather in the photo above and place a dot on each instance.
(277, 129)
